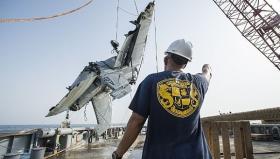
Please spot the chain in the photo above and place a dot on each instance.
(85, 113)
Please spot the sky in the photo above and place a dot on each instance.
(38, 60)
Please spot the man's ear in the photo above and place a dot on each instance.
(165, 60)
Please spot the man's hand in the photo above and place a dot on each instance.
(207, 71)
(115, 155)
(133, 128)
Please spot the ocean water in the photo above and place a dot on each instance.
(17, 128)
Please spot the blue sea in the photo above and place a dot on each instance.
(17, 128)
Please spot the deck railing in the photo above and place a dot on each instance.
(54, 141)
(219, 134)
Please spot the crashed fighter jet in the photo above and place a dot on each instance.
(103, 81)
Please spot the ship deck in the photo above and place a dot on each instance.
(103, 150)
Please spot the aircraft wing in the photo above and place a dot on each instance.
(103, 111)
(81, 84)
(132, 50)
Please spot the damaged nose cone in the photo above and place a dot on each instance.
(50, 112)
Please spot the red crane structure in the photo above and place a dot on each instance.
(258, 22)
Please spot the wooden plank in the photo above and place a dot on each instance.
(207, 132)
(210, 136)
(243, 141)
(215, 140)
(225, 138)
(247, 142)
(237, 140)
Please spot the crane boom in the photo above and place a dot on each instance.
(258, 22)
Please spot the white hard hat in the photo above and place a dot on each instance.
(181, 48)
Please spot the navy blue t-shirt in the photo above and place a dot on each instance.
(171, 101)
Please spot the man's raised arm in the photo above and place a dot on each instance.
(207, 72)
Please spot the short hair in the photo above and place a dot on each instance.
(179, 60)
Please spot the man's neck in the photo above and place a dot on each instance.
(172, 69)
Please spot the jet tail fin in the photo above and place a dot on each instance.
(103, 111)
(132, 50)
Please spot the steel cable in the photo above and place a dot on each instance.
(155, 30)
(117, 20)
(136, 7)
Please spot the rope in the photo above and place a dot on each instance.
(136, 7)
(66, 149)
(4, 147)
(13, 20)
(156, 39)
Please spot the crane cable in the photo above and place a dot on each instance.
(128, 12)
(12, 20)
(135, 4)
(117, 20)
(130, 94)
(155, 30)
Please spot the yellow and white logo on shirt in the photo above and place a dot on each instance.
(178, 97)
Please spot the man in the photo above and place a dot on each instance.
(171, 100)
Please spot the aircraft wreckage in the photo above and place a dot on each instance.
(103, 81)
